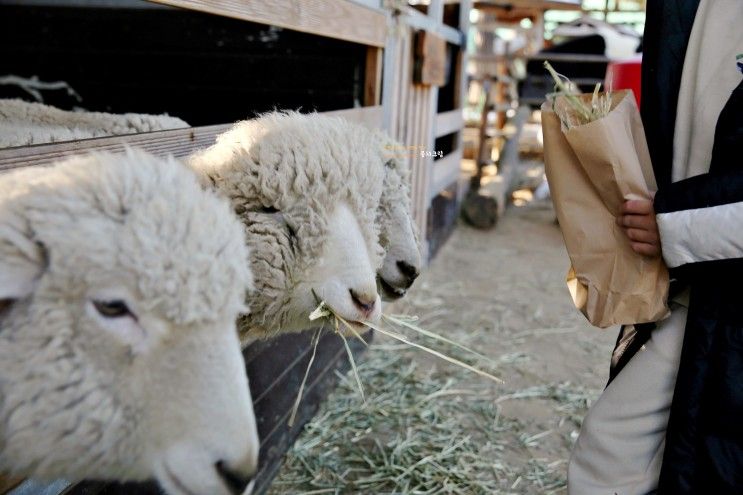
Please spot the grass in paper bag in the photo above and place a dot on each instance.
(575, 110)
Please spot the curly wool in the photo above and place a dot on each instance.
(138, 202)
(23, 124)
(300, 166)
(87, 222)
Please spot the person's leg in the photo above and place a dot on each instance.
(620, 446)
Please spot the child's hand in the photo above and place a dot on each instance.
(638, 222)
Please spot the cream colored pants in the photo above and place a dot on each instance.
(620, 446)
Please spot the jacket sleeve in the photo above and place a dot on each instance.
(701, 219)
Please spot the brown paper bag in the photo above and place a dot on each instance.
(592, 169)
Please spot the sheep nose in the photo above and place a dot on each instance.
(409, 271)
(237, 482)
(365, 301)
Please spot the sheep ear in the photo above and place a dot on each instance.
(21, 263)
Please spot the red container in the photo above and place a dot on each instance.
(625, 74)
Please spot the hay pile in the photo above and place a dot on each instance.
(430, 427)
(424, 430)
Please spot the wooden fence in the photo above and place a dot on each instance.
(418, 115)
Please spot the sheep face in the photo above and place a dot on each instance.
(402, 259)
(119, 356)
(307, 188)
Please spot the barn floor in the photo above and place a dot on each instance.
(430, 427)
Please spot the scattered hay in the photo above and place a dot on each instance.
(424, 432)
(461, 433)
(416, 433)
(327, 313)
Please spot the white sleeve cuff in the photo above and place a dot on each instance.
(703, 234)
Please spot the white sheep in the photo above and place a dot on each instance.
(23, 123)
(398, 234)
(121, 278)
(307, 188)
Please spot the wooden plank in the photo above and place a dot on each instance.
(274, 399)
(338, 19)
(97, 4)
(460, 77)
(448, 122)
(391, 73)
(445, 171)
(373, 76)
(178, 142)
(430, 59)
(419, 21)
(436, 10)
(419, 124)
(406, 82)
(464, 26)
(411, 140)
(428, 110)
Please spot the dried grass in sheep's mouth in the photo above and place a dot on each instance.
(325, 312)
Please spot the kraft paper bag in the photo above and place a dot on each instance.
(591, 170)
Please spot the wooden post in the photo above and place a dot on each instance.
(482, 143)
(538, 30)
(392, 71)
(462, 81)
(373, 76)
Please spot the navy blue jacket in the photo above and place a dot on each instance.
(704, 441)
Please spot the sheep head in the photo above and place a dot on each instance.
(122, 279)
(307, 188)
(398, 234)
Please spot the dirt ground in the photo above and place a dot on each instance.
(503, 293)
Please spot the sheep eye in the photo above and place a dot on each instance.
(268, 210)
(112, 309)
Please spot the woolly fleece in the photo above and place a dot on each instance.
(23, 124)
(284, 172)
(74, 401)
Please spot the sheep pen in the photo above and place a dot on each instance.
(429, 427)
